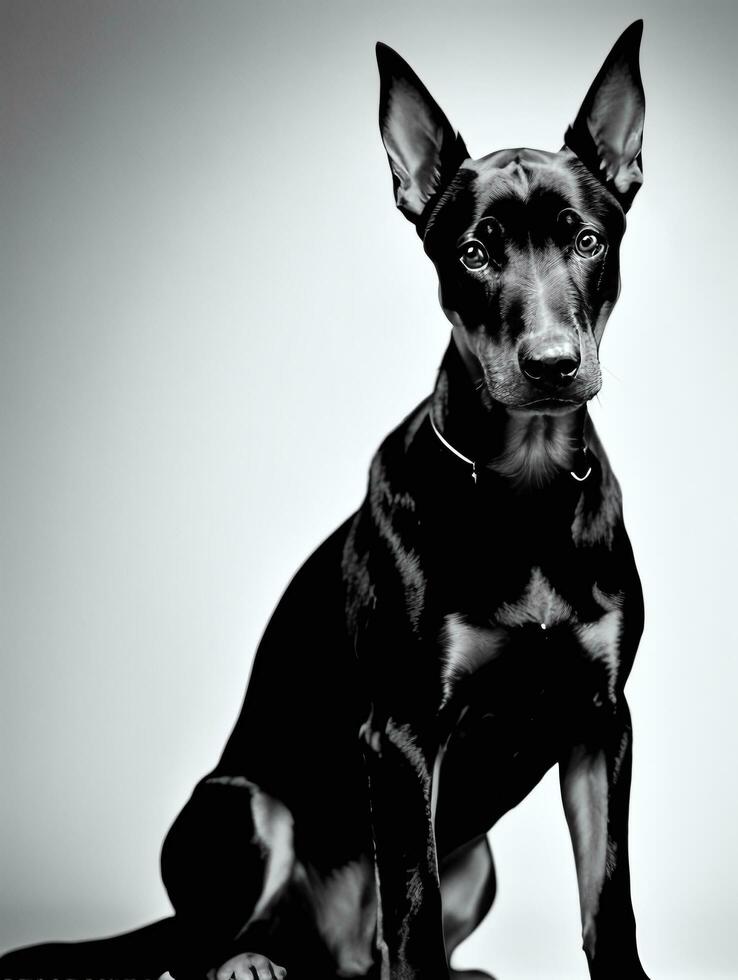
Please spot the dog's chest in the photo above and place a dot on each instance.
(537, 634)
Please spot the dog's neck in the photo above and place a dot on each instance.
(527, 450)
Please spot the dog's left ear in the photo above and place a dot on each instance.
(423, 149)
(608, 131)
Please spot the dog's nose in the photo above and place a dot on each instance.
(556, 370)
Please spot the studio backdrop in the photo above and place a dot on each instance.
(211, 313)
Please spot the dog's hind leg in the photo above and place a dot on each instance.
(468, 886)
(226, 862)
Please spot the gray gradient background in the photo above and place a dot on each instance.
(211, 314)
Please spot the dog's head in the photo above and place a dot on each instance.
(525, 242)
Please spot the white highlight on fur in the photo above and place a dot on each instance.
(274, 830)
(590, 529)
(601, 639)
(436, 781)
(371, 737)
(537, 447)
(540, 603)
(584, 793)
(403, 738)
(274, 833)
(345, 907)
(465, 892)
(381, 944)
(466, 649)
(384, 501)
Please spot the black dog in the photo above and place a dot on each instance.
(473, 624)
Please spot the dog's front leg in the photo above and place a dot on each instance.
(595, 788)
(410, 922)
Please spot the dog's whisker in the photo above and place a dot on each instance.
(612, 373)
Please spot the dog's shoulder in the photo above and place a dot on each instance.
(394, 466)
(401, 440)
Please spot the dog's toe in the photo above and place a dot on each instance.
(250, 966)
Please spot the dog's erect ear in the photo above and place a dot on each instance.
(423, 149)
(607, 133)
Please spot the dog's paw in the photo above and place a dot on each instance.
(247, 966)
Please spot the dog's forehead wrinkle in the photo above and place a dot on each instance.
(523, 189)
(521, 155)
(526, 216)
(550, 185)
(526, 172)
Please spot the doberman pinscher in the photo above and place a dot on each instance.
(472, 624)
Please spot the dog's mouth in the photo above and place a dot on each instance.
(548, 406)
(502, 385)
(542, 405)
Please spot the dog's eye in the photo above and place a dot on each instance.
(569, 218)
(474, 255)
(588, 243)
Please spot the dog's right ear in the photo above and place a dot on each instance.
(423, 149)
(608, 131)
